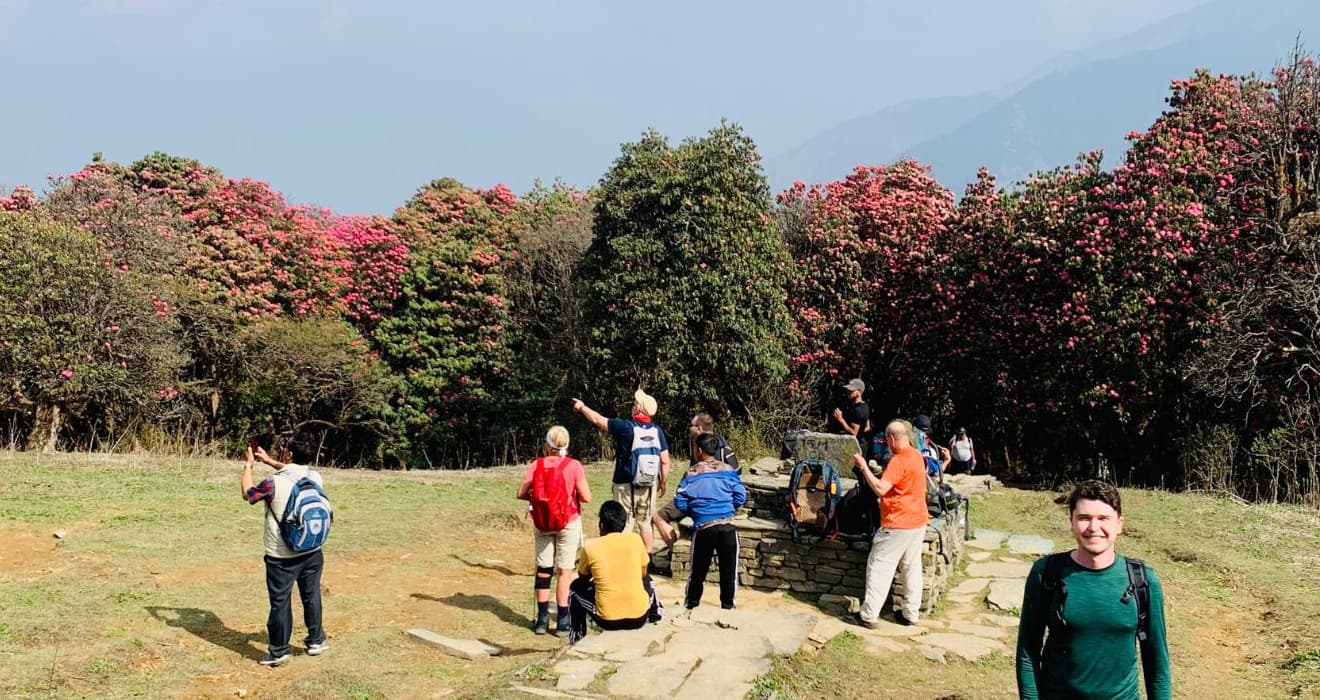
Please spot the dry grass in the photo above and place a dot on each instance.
(157, 589)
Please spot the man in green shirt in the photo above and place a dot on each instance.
(1089, 601)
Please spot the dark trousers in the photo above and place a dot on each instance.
(582, 605)
(705, 544)
(281, 574)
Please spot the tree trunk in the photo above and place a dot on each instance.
(45, 428)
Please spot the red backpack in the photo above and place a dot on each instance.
(553, 505)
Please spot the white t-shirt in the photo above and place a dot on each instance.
(962, 449)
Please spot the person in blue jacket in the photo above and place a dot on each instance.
(710, 494)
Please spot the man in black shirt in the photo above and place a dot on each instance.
(704, 423)
(854, 416)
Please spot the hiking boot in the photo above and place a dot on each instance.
(901, 619)
(317, 649)
(272, 660)
(561, 627)
(542, 625)
(856, 619)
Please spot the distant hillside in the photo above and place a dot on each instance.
(875, 138)
(1091, 100)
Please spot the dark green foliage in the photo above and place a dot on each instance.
(685, 278)
(448, 334)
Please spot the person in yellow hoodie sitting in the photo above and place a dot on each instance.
(613, 587)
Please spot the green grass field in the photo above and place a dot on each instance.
(157, 589)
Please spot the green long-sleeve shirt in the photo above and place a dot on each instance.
(1098, 660)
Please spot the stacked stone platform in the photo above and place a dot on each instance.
(818, 564)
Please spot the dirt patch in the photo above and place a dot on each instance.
(29, 550)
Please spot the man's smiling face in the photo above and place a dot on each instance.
(1096, 526)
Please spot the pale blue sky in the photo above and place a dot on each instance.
(354, 104)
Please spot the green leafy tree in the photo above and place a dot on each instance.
(79, 338)
(553, 226)
(448, 335)
(685, 277)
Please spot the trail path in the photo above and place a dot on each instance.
(713, 653)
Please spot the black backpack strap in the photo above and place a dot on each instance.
(1139, 587)
(1052, 582)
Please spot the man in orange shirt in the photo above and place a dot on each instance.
(903, 517)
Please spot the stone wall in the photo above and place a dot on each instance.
(770, 560)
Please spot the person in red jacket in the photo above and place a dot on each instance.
(562, 491)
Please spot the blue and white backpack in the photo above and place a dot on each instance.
(645, 454)
(305, 525)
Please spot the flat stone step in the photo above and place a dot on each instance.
(576, 674)
(967, 646)
(462, 648)
(987, 631)
(970, 586)
(998, 569)
(1006, 594)
(654, 676)
(622, 645)
(1030, 544)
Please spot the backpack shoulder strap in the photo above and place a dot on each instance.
(1052, 582)
(1139, 587)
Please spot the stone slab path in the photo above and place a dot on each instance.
(718, 654)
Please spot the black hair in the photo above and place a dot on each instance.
(1095, 491)
(708, 443)
(304, 449)
(613, 517)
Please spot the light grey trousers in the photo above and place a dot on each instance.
(893, 551)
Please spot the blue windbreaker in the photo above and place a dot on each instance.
(712, 495)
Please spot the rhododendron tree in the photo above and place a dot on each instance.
(867, 292)
(80, 340)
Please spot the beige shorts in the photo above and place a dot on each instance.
(639, 501)
(559, 549)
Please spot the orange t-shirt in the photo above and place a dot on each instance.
(904, 507)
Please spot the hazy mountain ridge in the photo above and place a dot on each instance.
(1090, 101)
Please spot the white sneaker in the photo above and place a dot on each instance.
(317, 649)
(273, 661)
